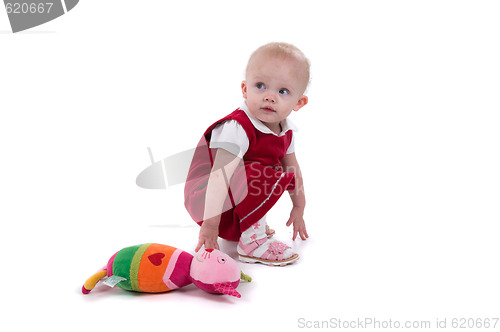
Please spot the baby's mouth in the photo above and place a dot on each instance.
(268, 109)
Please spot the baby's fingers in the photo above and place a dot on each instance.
(303, 234)
(212, 245)
(198, 246)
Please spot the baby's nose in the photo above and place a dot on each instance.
(270, 98)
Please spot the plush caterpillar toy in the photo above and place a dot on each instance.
(155, 268)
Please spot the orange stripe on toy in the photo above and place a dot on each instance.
(154, 262)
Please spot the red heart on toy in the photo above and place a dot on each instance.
(155, 259)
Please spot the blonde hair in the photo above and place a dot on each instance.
(284, 51)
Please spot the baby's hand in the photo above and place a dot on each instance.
(299, 225)
(208, 236)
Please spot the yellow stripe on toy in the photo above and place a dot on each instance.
(92, 281)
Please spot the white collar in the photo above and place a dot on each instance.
(286, 124)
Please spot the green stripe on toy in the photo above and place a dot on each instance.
(134, 267)
(121, 265)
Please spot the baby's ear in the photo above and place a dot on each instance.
(301, 103)
(244, 89)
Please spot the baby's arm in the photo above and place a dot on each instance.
(298, 197)
(225, 164)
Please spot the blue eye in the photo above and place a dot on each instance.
(260, 86)
(284, 92)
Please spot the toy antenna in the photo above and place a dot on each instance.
(245, 277)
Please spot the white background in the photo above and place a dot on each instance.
(399, 147)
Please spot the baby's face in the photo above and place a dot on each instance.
(274, 88)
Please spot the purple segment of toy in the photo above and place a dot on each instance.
(180, 275)
(109, 269)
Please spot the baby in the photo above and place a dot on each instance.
(245, 161)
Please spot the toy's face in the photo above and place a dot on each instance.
(211, 267)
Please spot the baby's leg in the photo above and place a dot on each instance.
(255, 232)
(255, 247)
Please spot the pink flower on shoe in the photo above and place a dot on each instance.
(277, 247)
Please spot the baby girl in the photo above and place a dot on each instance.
(245, 161)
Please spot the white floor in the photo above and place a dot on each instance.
(398, 145)
(350, 269)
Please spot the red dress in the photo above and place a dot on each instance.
(254, 187)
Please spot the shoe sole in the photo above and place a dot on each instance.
(252, 260)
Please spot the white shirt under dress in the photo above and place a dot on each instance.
(231, 136)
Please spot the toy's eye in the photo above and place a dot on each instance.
(221, 260)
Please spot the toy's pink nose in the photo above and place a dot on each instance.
(209, 250)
